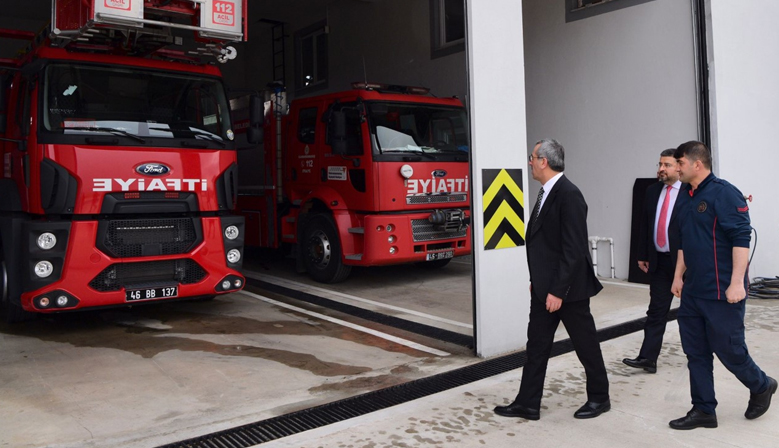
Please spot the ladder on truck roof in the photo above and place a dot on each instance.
(143, 27)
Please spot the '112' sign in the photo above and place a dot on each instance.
(224, 13)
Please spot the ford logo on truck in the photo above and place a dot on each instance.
(152, 169)
(439, 173)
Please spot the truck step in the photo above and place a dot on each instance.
(357, 230)
(356, 257)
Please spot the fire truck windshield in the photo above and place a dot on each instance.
(137, 105)
(421, 129)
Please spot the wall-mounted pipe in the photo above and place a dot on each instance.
(594, 240)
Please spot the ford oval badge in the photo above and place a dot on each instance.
(439, 173)
(152, 169)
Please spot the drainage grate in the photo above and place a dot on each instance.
(391, 321)
(304, 420)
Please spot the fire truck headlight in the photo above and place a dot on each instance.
(237, 283)
(234, 255)
(43, 269)
(62, 301)
(406, 171)
(44, 302)
(379, 228)
(390, 227)
(47, 240)
(393, 250)
(391, 239)
(226, 284)
(231, 232)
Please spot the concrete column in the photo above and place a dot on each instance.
(744, 95)
(496, 105)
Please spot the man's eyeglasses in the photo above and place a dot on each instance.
(531, 157)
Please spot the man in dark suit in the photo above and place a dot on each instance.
(562, 280)
(657, 253)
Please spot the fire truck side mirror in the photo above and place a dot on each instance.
(337, 132)
(254, 133)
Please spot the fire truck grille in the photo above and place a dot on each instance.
(121, 275)
(436, 198)
(147, 237)
(424, 230)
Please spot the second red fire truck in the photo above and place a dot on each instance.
(376, 175)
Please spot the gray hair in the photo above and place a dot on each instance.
(553, 152)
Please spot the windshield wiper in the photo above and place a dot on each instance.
(408, 151)
(109, 130)
(196, 133)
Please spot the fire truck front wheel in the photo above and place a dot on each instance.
(322, 251)
(10, 312)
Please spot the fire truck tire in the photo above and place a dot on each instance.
(322, 251)
(10, 312)
(435, 264)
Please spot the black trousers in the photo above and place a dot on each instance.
(578, 321)
(660, 298)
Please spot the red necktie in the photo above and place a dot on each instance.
(661, 231)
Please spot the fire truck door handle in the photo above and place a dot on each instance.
(323, 175)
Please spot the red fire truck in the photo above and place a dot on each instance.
(119, 159)
(376, 175)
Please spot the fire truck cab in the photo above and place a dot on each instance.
(119, 162)
(376, 175)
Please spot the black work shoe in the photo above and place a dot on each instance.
(642, 363)
(592, 409)
(759, 403)
(694, 419)
(517, 410)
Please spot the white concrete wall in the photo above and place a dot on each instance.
(744, 96)
(497, 113)
(615, 90)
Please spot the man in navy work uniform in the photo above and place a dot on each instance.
(659, 245)
(715, 231)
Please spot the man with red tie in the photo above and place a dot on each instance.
(657, 255)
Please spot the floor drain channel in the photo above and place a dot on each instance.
(326, 414)
(391, 321)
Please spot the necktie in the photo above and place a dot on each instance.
(661, 227)
(537, 207)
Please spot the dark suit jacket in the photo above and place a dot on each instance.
(558, 252)
(646, 246)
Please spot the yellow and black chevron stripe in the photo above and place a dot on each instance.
(504, 211)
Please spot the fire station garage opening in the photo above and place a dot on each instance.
(359, 194)
(356, 195)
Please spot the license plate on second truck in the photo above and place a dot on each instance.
(152, 293)
(440, 255)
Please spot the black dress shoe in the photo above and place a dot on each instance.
(592, 409)
(641, 363)
(694, 419)
(759, 403)
(517, 410)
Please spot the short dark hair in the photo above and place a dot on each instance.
(668, 152)
(694, 150)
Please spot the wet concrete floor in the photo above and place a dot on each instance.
(150, 375)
